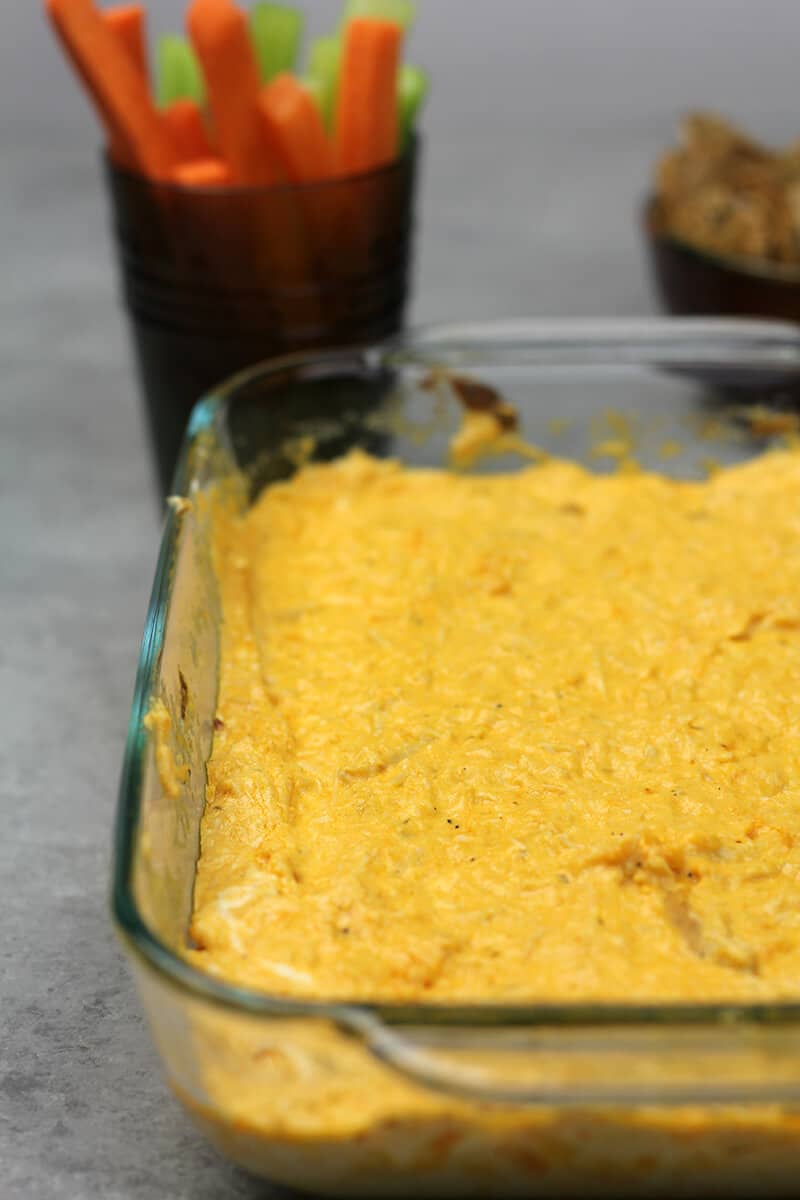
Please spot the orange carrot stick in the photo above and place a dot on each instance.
(294, 130)
(220, 35)
(118, 90)
(187, 128)
(366, 113)
(203, 172)
(128, 24)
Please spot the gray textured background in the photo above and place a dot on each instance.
(543, 124)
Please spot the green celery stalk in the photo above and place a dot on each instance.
(323, 69)
(412, 88)
(401, 12)
(276, 31)
(178, 73)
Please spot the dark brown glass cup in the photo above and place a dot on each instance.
(215, 280)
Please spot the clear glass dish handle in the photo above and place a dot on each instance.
(730, 350)
(581, 1064)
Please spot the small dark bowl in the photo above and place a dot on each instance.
(692, 282)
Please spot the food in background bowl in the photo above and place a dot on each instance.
(722, 226)
(722, 192)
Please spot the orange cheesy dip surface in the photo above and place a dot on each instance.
(511, 737)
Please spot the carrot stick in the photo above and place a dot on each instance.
(366, 115)
(128, 24)
(187, 128)
(294, 130)
(203, 172)
(219, 32)
(118, 90)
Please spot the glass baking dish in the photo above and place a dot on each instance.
(355, 1098)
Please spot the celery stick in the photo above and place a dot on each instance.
(412, 88)
(178, 73)
(276, 32)
(323, 67)
(402, 12)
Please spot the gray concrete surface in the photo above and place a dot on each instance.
(542, 128)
